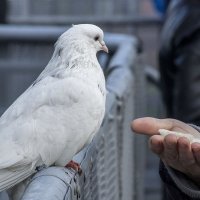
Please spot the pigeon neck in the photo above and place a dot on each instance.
(80, 50)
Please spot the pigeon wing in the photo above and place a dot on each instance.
(18, 126)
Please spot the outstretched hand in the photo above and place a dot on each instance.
(178, 153)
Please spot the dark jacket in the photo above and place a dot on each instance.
(172, 190)
(179, 60)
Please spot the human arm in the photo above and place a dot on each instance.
(177, 154)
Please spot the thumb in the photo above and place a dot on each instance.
(150, 126)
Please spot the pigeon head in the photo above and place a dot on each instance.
(86, 36)
(93, 34)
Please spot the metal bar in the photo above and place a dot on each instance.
(53, 183)
(14, 33)
(43, 34)
(17, 67)
(68, 20)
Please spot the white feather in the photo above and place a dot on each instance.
(59, 113)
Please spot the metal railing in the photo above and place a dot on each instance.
(113, 164)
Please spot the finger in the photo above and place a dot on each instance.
(170, 154)
(186, 157)
(156, 144)
(150, 126)
(196, 151)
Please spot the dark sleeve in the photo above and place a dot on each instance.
(181, 80)
(186, 92)
(176, 184)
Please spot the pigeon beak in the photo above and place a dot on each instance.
(104, 47)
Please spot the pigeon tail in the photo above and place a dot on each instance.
(11, 177)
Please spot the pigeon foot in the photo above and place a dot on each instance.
(74, 165)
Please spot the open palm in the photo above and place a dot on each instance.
(175, 152)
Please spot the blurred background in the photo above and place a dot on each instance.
(137, 17)
(22, 57)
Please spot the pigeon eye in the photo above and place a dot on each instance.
(96, 38)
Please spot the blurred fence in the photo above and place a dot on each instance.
(44, 11)
(114, 163)
(112, 15)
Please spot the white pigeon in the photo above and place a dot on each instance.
(59, 113)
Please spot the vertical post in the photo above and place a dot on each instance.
(3, 11)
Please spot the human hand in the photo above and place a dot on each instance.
(178, 153)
